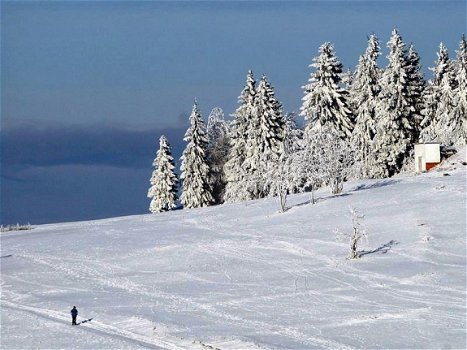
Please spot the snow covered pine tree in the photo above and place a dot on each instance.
(364, 92)
(395, 125)
(325, 102)
(264, 139)
(330, 121)
(433, 92)
(163, 190)
(235, 189)
(447, 121)
(416, 86)
(196, 189)
(459, 114)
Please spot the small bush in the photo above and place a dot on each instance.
(16, 227)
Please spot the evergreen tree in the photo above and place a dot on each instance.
(272, 121)
(197, 191)
(364, 93)
(218, 146)
(444, 65)
(459, 113)
(449, 121)
(163, 190)
(325, 102)
(394, 128)
(433, 92)
(244, 117)
(264, 139)
(444, 125)
(415, 90)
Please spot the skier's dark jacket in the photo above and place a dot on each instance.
(74, 312)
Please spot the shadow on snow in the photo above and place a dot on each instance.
(375, 185)
(380, 250)
(321, 199)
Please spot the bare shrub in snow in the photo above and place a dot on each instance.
(331, 156)
(277, 180)
(281, 179)
(358, 233)
(16, 227)
(283, 176)
(307, 167)
(217, 150)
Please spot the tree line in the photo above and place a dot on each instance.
(360, 124)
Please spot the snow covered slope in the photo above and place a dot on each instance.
(245, 276)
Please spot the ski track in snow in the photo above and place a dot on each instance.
(86, 273)
(94, 326)
(245, 276)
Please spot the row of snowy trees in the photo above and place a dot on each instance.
(362, 126)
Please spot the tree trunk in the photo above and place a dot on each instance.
(336, 186)
(353, 245)
(283, 199)
(312, 194)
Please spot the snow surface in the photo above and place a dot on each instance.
(244, 276)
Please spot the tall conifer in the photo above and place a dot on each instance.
(196, 189)
(264, 139)
(163, 190)
(443, 66)
(244, 117)
(394, 129)
(364, 93)
(459, 114)
(449, 121)
(325, 101)
(415, 89)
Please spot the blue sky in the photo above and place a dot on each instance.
(88, 87)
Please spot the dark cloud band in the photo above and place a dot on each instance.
(23, 145)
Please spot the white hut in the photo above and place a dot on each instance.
(427, 155)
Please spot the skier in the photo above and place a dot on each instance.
(74, 314)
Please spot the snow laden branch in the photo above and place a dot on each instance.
(328, 158)
(277, 179)
(285, 174)
(217, 150)
(306, 163)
